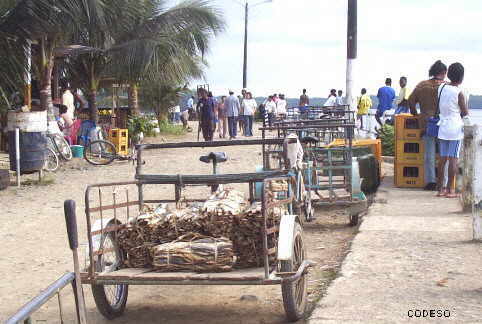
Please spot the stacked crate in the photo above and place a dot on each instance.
(120, 138)
(409, 152)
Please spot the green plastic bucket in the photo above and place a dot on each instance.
(77, 151)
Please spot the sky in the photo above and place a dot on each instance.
(296, 44)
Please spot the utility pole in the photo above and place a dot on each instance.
(245, 64)
(351, 52)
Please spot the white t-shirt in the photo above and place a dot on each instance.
(339, 101)
(270, 107)
(68, 100)
(331, 102)
(451, 123)
(249, 107)
(281, 106)
(190, 103)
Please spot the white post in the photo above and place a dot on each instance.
(477, 182)
(350, 98)
(477, 222)
(17, 153)
(352, 36)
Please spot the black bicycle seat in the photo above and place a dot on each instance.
(310, 140)
(219, 157)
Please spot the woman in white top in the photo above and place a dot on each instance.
(270, 109)
(281, 107)
(249, 108)
(453, 107)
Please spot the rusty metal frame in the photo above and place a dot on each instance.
(270, 278)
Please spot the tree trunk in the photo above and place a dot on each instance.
(133, 98)
(92, 99)
(46, 91)
(46, 66)
(162, 116)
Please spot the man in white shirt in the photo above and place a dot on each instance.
(271, 110)
(339, 99)
(281, 107)
(331, 101)
(68, 101)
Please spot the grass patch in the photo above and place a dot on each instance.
(170, 129)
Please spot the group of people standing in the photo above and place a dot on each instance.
(275, 108)
(442, 106)
(224, 115)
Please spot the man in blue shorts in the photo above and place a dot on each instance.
(385, 95)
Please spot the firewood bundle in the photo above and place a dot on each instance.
(247, 236)
(176, 224)
(140, 256)
(220, 210)
(279, 185)
(224, 216)
(194, 252)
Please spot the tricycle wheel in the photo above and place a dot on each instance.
(295, 293)
(110, 299)
(354, 218)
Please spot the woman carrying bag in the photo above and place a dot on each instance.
(452, 107)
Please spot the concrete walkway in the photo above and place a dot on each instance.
(413, 252)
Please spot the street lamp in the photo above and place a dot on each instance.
(247, 6)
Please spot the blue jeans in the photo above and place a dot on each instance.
(429, 164)
(177, 117)
(248, 125)
(233, 126)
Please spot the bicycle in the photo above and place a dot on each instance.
(60, 146)
(102, 152)
(56, 146)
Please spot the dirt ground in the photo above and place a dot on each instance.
(34, 249)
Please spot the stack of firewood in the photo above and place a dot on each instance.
(247, 236)
(194, 252)
(226, 216)
(220, 211)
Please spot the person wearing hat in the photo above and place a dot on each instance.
(231, 109)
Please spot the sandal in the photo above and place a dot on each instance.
(442, 194)
(452, 195)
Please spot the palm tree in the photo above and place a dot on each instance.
(160, 97)
(140, 47)
(49, 23)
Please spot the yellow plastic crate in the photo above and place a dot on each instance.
(411, 152)
(409, 175)
(374, 144)
(408, 127)
(119, 136)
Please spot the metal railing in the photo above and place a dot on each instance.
(24, 314)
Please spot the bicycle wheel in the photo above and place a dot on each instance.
(62, 146)
(51, 160)
(100, 153)
(110, 299)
